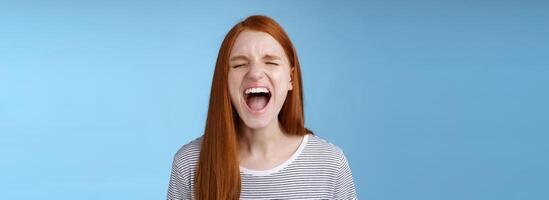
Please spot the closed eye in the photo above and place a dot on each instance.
(236, 66)
(272, 63)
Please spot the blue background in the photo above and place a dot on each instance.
(428, 99)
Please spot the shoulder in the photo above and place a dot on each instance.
(325, 150)
(186, 158)
(322, 145)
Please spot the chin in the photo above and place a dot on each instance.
(256, 123)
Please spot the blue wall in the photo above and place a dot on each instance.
(428, 99)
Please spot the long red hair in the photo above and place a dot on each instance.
(218, 172)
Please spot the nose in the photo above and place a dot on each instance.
(256, 72)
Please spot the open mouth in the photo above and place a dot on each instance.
(257, 98)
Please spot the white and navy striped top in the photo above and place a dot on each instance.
(317, 170)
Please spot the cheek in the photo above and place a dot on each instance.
(282, 82)
(234, 82)
(283, 79)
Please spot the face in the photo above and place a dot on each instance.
(259, 78)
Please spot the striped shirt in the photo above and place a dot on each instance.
(317, 170)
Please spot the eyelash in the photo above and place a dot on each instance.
(268, 63)
(238, 65)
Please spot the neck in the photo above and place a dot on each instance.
(261, 141)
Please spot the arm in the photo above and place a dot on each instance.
(345, 188)
(178, 188)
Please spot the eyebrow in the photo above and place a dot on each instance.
(266, 57)
(271, 57)
(239, 58)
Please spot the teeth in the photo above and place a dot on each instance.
(256, 90)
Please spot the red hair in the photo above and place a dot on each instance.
(218, 172)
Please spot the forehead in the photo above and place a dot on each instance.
(256, 43)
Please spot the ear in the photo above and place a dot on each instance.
(291, 86)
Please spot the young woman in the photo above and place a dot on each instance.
(255, 145)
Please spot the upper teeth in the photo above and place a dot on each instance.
(256, 90)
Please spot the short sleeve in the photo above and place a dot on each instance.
(345, 187)
(178, 186)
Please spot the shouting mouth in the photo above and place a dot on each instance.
(257, 99)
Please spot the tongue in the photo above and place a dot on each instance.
(257, 102)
